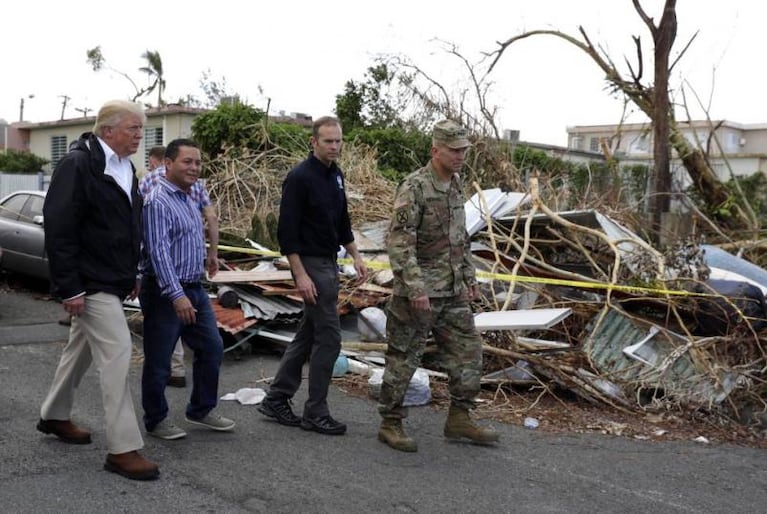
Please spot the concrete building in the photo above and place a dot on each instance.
(51, 139)
(729, 145)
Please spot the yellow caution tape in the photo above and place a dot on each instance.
(503, 276)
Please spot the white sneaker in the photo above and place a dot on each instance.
(166, 430)
(214, 422)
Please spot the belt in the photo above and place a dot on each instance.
(191, 284)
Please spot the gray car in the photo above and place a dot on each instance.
(21, 234)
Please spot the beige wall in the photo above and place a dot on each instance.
(174, 125)
(744, 146)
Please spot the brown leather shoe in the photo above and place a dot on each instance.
(65, 430)
(131, 465)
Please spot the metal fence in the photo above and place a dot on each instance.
(11, 182)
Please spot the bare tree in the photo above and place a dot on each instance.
(653, 100)
(437, 100)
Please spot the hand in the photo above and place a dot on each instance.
(212, 263)
(75, 306)
(306, 289)
(361, 269)
(473, 292)
(136, 290)
(421, 303)
(184, 310)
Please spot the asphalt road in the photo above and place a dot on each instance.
(265, 467)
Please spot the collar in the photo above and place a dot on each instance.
(438, 184)
(169, 186)
(318, 163)
(108, 152)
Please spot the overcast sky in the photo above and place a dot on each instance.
(300, 53)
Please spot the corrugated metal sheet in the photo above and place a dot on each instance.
(269, 308)
(232, 321)
(669, 366)
(618, 331)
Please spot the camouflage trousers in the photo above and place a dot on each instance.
(452, 324)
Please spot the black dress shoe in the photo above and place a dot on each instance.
(279, 410)
(324, 425)
(177, 381)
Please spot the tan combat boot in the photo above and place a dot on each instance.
(459, 425)
(392, 433)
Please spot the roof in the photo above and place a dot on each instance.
(152, 112)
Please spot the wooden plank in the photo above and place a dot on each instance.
(252, 276)
(375, 288)
(524, 319)
(280, 292)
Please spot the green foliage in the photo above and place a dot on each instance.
(232, 125)
(238, 128)
(17, 161)
(290, 138)
(368, 104)
(400, 151)
(349, 106)
(602, 181)
(754, 188)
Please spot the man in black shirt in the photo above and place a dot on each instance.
(314, 222)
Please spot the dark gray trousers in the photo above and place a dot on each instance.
(318, 339)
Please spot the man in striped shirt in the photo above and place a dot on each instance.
(173, 299)
(200, 197)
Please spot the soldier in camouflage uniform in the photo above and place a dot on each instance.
(434, 281)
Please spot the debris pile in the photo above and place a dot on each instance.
(571, 300)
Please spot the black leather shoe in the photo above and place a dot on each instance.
(324, 425)
(279, 410)
(177, 381)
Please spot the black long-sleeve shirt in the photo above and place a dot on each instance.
(314, 217)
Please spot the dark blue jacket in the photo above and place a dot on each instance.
(314, 218)
(92, 231)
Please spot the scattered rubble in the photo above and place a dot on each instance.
(633, 326)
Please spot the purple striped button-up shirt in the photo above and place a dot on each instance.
(174, 240)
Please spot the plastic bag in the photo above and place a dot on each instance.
(371, 324)
(418, 391)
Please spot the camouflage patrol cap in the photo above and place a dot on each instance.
(451, 134)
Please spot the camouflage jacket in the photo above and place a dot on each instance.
(427, 241)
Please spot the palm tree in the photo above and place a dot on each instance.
(154, 70)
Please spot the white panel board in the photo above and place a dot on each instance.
(526, 319)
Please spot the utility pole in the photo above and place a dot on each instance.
(21, 107)
(84, 110)
(65, 99)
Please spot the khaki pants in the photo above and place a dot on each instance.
(100, 335)
(177, 367)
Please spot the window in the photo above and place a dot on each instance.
(640, 144)
(58, 149)
(576, 143)
(594, 144)
(13, 206)
(732, 143)
(153, 136)
(33, 207)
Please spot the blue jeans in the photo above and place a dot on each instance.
(162, 329)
